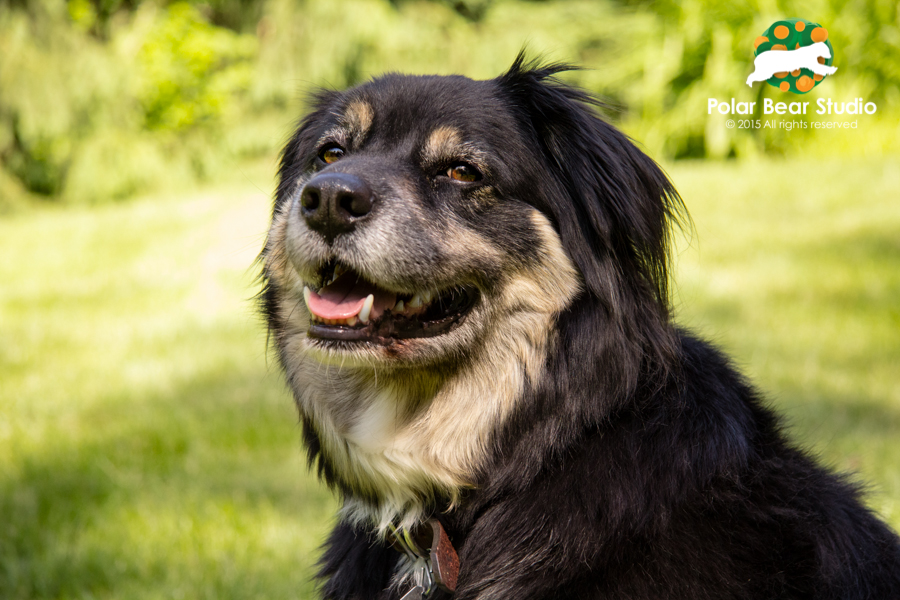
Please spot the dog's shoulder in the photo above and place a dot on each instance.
(696, 482)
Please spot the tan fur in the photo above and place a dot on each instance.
(275, 256)
(442, 143)
(404, 433)
(357, 118)
(469, 246)
(353, 126)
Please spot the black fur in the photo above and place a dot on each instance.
(641, 465)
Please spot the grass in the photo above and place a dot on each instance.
(148, 448)
(794, 269)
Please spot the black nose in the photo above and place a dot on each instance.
(333, 203)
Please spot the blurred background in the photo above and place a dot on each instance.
(148, 448)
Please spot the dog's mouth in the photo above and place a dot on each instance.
(346, 306)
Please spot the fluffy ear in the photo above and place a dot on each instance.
(614, 218)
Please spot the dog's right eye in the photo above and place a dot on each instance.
(331, 153)
(463, 172)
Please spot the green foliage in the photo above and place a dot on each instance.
(188, 69)
(88, 118)
(714, 43)
(656, 63)
(100, 99)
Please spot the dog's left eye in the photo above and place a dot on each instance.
(463, 172)
(331, 153)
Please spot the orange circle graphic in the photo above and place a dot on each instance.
(819, 34)
(805, 83)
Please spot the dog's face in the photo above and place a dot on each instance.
(430, 235)
(407, 235)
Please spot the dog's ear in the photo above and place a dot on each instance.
(616, 205)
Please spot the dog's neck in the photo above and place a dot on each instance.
(400, 442)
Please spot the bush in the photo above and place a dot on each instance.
(189, 70)
(97, 108)
(104, 98)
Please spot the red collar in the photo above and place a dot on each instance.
(430, 542)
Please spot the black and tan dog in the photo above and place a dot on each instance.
(466, 284)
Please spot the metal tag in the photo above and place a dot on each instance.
(417, 593)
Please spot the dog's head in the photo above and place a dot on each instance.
(435, 242)
(416, 217)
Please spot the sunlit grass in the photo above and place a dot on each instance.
(148, 448)
(795, 269)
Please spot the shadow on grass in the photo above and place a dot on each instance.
(849, 432)
(201, 493)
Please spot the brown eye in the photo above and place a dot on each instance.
(331, 154)
(463, 172)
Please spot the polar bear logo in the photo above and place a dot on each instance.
(794, 55)
(781, 61)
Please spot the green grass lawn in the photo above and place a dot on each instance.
(148, 448)
(794, 268)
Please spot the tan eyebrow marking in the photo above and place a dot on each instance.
(443, 142)
(358, 119)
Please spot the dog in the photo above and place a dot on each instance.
(784, 61)
(466, 285)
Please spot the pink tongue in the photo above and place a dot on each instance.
(346, 296)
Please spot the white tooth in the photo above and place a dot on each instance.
(399, 306)
(351, 321)
(415, 301)
(367, 308)
(306, 293)
(426, 297)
